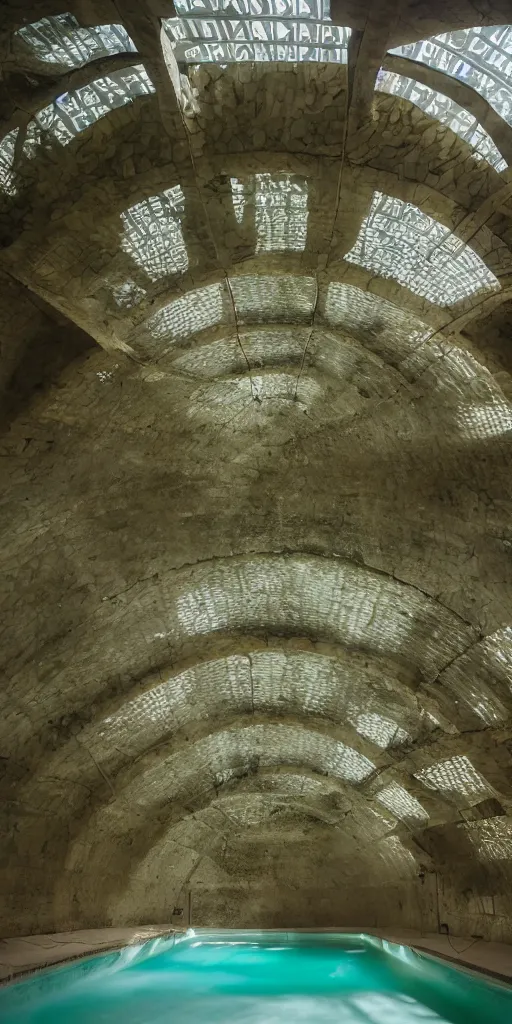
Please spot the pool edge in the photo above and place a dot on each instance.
(64, 956)
(145, 934)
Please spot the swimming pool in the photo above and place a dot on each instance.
(257, 978)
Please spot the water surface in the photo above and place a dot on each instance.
(258, 978)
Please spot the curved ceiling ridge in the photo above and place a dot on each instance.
(69, 114)
(475, 56)
(192, 313)
(443, 765)
(345, 312)
(207, 601)
(442, 108)
(478, 116)
(325, 598)
(455, 778)
(500, 259)
(345, 692)
(165, 791)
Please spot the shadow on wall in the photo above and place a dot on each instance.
(417, 904)
(410, 905)
(50, 349)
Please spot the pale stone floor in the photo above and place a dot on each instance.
(490, 957)
(33, 952)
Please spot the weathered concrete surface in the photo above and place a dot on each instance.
(255, 563)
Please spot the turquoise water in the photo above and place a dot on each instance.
(258, 978)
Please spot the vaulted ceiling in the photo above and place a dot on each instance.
(256, 267)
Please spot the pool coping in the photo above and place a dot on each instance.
(27, 955)
(504, 979)
(19, 959)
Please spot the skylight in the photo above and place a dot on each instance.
(280, 204)
(7, 175)
(393, 332)
(397, 240)
(7, 149)
(61, 40)
(191, 313)
(229, 754)
(456, 775)
(480, 57)
(493, 838)
(278, 297)
(397, 800)
(238, 194)
(335, 601)
(226, 31)
(127, 294)
(351, 765)
(153, 236)
(257, 300)
(73, 112)
(446, 111)
(494, 419)
(381, 731)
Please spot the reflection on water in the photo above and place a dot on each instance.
(291, 1009)
(253, 981)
